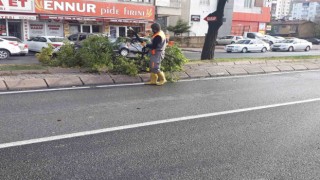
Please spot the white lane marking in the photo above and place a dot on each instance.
(130, 126)
(138, 84)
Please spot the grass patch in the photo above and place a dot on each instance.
(9, 67)
(254, 59)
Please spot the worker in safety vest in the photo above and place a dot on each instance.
(157, 49)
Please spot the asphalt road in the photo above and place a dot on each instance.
(256, 127)
(219, 53)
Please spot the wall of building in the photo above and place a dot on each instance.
(306, 30)
(305, 11)
(225, 29)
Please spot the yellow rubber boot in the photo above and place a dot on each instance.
(153, 79)
(162, 79)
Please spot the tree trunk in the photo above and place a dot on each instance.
(211, 36)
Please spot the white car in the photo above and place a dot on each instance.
(228, 40)
(248, 45)
(38, 43)
(292, 45)
(271, 40)
(11, 46)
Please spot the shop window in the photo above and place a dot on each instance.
(122, 31)
(3, 27)
(96, 29)
(86, 28)
(15, 29)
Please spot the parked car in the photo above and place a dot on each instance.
(248, 45)
(11, 47)
(38, 43)
(129, 47)
(23, 47)
(225, 40)
(271, 40)
(279, 37)
(314, 40)
(292, 45)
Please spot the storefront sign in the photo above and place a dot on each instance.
(36, 29)
(16, 16)
(210, 18)
(54, 29)
(26, 6)
(94, 8)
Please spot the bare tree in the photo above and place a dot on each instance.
(215, 21)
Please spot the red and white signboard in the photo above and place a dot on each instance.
(54, 29)
(210, 18)
(17, 16)
(25, 6)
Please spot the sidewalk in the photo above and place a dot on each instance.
(60, 77)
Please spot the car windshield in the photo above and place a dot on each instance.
(243, 42)
(287, 41)
(228, 37)
(58, 39)
(12, 39)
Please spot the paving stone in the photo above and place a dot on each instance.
(67, 81)
(217, 72)
(3, 86)
(18, 84)
(286, 60)
(312, 66)
(258, 62)
(96, 79)
(225, 63)
(181, 75)
(285, 68)
(241, 62)
(254, 70)
(268, 69)
(298, 67)
(119, 79)
(236, 71)
(197, 73)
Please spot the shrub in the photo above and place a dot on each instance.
(68, 56)
(96, 53)
(45, 55)
(173, 60)
(123, 65)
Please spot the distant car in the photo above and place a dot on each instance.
(23, 47)
(271, 40)
(38, 43)
(130, 47)
(292, 45)
(314, 40)
(225, 40)
(248, 45)
(11, 47)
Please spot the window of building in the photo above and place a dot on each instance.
(205, 2)
(247, 3)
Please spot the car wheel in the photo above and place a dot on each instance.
(232, 42)
(290, 49)
(4, 54)
(307, 48)
(124, 52)
(264, 50)
(23, 54)
(244, 50)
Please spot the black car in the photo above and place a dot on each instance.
(314, 40)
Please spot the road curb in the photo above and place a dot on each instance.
(192, 71)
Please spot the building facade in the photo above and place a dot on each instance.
(250, 16)
(306, 10)
(29, 18)
(281, 9)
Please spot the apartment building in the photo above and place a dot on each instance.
(281, 9)
(306, 10)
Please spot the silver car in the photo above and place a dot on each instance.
(292, 45)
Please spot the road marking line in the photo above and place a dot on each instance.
(138, 84)
(124, 127)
